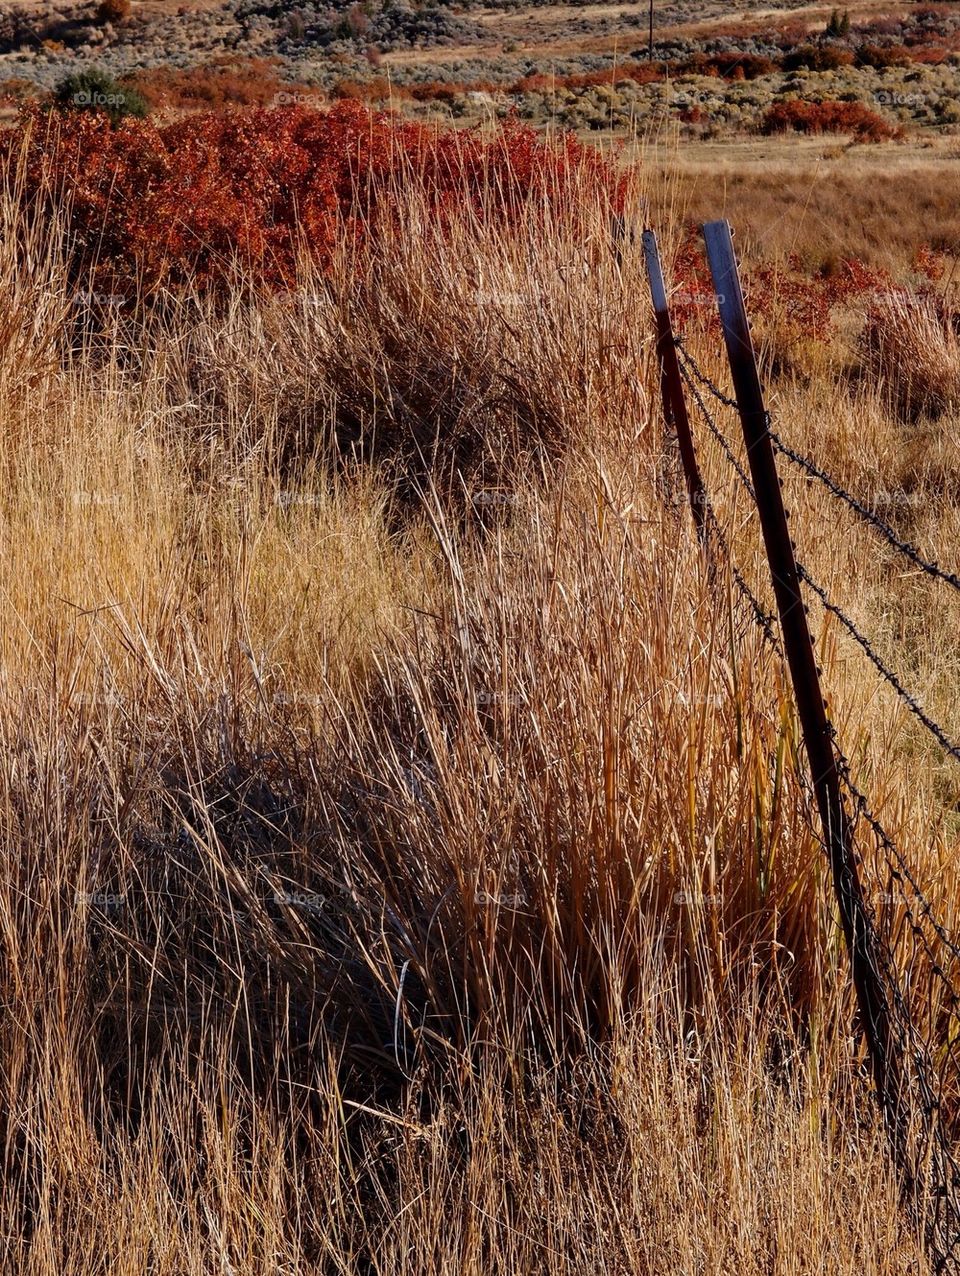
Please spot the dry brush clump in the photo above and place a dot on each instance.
(425, 894)
(912, 350)
(795, 115)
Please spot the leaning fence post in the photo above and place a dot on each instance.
(861, 937)
(671, 385)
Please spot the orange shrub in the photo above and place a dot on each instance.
(883, 55)
(187, 202)
(113, 10)
(352, 91)
(801, 304)
(248, 82)
(799, 116)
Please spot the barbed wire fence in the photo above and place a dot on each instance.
(904, 961)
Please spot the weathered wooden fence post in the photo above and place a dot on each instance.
(862, 941)
(671, 385)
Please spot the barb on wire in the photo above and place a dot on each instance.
(701, 376)
(866, 646)
(717, 432)
(868, 515)
(766, 622)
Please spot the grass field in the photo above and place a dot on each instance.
(406, 857)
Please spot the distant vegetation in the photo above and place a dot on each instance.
(96, 91)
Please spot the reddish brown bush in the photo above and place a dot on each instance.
(190, 201)
(795, 115)
(113, 10)
(351, 91)
(788, 296)
(436, 91)
(741, 66)
(641, 73)
(818, 57)
(243, 82)
(357, 21)
(539, 83)
(883, 55)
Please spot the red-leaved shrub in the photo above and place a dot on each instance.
(191, 201)
(238, 82)
(800, 304)
(828, 117)
(883, 55)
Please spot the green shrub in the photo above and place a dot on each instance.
(96, 91)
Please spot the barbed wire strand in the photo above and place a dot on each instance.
(702, 377)
(832, 485)
(886, 673)
(943, 1230)
(904, 547)
(715, 429)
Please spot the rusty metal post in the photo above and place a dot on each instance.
(671, 385)
(858, 928)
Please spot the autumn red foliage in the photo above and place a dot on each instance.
(193, 201)
(802, 304)
(225, 82)
(828, 117)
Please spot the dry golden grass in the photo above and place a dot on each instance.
(913, 355)
(822, 200)
(426, 885)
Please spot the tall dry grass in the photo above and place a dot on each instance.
(406, 863)
(913, 353)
